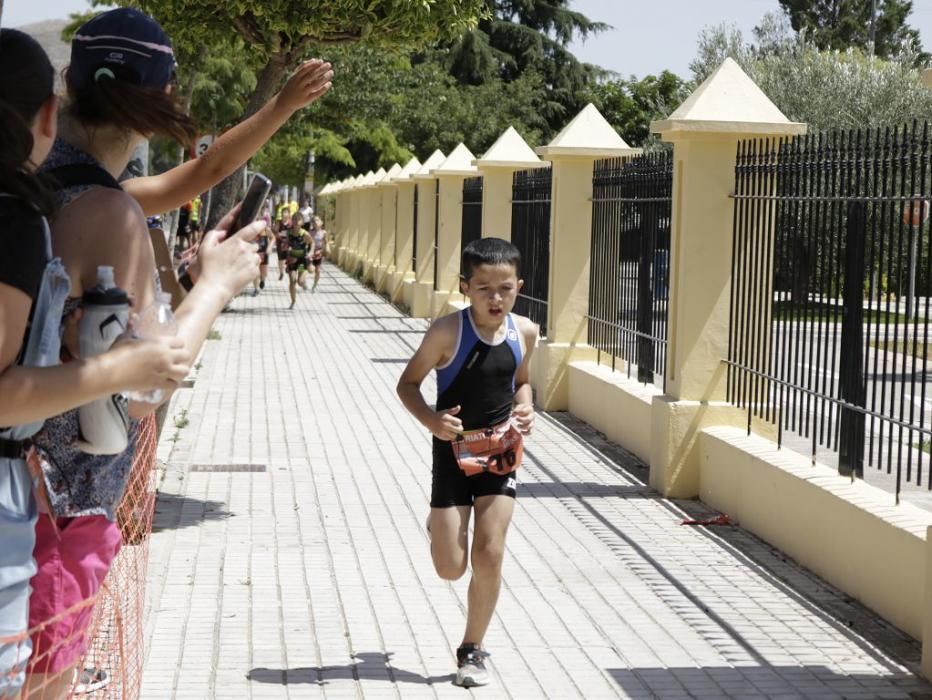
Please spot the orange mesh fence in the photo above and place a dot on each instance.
(95, 648)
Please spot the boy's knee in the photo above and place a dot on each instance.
(450, 570)
(488, 554)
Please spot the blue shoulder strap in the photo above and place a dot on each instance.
(466, 341)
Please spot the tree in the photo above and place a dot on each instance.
(630, 105)
(280, 33)
(827, 89)
(842, 24)
(521, 36)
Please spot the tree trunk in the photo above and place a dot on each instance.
(225, 194)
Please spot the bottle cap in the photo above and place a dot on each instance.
(105, 292)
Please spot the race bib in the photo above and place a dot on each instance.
(497, 450)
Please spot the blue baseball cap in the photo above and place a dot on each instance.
(122, 44)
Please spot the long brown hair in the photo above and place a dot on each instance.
(145, 110)
(27, 81)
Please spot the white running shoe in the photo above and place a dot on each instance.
(471, 671)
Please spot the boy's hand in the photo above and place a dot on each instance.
(523, 414)
(445, 425)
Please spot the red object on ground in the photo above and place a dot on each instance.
(720, 519)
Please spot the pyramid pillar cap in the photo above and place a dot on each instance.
(424, 172)
(727, 102)
(393, 172)
(589, 135)
(509, 152)
(457, 164)
(411, 167)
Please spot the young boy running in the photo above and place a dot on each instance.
(484, 408)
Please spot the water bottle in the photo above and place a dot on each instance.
(157, 320)
(104, 424)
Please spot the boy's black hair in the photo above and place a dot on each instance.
(490, 251)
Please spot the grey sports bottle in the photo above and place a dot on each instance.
(104, 423)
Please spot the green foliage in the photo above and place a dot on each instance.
(222, 82)
(826, 89)
(520, 37)
(630, 105)
(289, 27)
(843, 24)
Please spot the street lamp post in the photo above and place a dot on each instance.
(309, 179)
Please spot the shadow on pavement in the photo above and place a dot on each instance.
(174, 512)
(765, 681)
(580, 489)
(372, 666)
(875, 636)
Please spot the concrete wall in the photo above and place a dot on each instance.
(851, 534)
(614, 404)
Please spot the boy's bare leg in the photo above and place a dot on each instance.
(292, 290)
(493, 515)
(449, 540)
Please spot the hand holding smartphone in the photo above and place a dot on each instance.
(256, 194)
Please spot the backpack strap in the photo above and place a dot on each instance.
(78, 174)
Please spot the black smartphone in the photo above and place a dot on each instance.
(256, 194)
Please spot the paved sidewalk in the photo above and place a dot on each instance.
(312, 577)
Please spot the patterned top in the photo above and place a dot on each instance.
(79, 483)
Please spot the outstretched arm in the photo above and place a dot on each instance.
(159, 193)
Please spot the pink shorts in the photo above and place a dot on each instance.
(72, 564)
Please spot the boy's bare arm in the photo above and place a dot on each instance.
(524, 399)
(435, 348)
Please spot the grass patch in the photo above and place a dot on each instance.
(213, 335)
(831, 313)
(913, 348)
(925, 446)
(181, 420)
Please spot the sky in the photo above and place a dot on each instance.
(647, 37)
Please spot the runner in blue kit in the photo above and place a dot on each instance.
(484, 409)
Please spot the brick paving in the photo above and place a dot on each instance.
(303, 570)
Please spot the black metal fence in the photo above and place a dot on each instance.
(472, 212)
(530, 232)
(831, 283)
(414, 241)
(630, 261)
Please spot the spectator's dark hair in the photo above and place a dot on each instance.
(490, 251)
(27, 81)
(118, 102)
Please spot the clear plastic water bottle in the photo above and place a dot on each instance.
(103, 423)
(155, 321)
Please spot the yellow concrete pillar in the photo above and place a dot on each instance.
(360, 211)
(927, 77)
(926, 667)
(373, 226)
(705, 131)
(389, 207)
(450, 174)
(573, 153)
(418, 293)
(404, 231)
(497, 166)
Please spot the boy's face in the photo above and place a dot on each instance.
(492, 290)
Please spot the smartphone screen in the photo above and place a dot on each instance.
(258, 191)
